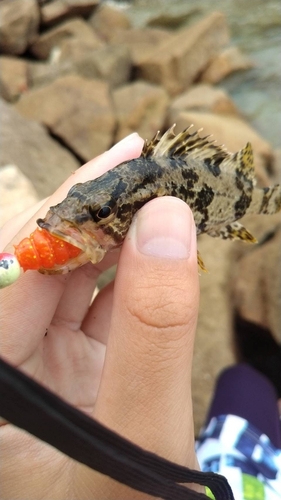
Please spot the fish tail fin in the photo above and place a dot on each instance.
(265, 200)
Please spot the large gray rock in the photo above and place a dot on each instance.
(52, 39)
(41, 73)
(19, 22)
(202, 97)
(256, 287)
(228, 61)
(28, 145)
(111, 63)
(58, 10)
(213, 343)
(141, 42)
(174, 20)
(141, 107)
(14, 79)
(179, 61)
(108, 20)
(77, 110)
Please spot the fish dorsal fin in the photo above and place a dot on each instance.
(245, 159)
(184, 144)
(189, 145)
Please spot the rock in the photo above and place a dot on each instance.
(27, 144)
(141, 42)
(173, 20)
(234, 133)
(58, 10)
(77, 110)
(202, 97)
(256, 289)
(225, 63)
(51, 39)
(141, 107)
(13, 77)
(275, 170)
(111, 62)
(44, 73)
(19, 22)
(16, 193)
(179, 61)
(214, 330)
(108, 20)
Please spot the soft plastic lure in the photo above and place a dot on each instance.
(41, 251)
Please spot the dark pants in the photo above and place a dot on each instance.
(241, 390)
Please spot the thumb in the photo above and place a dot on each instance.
(145, 392)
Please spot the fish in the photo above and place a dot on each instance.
(219, 187)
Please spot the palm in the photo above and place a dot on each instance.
(70, 364)
(69, 357)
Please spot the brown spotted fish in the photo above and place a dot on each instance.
(218, 186)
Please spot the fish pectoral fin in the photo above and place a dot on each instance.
(201, 263)
(233, 231)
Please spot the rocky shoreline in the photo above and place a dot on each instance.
(76, 77)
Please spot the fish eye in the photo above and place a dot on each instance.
(100, 214)
(104, 212)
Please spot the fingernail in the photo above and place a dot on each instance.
(165, 228)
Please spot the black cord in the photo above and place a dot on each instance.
(30, 406)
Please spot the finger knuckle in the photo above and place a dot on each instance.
(158, 308)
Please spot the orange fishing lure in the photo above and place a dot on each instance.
(43, 251)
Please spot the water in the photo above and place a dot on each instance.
(255, 28)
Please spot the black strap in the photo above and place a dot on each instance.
(30, 406)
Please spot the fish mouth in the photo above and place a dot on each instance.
(68, 233)
(78, 237)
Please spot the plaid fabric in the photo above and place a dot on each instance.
(231, 446)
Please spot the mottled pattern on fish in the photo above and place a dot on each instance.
(218, 186)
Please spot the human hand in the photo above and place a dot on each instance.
(125, 360)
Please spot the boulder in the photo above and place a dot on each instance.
(58, 10)
(27, 145)
(175, 64)
(202, 97)
(14, 78)
(43, 73)
(213, 350)
(52, 39)
(141, 107)
(173, 20)
(111, 62)
(276, 166)
(19, 23)
(234, 133)
(16, 193)
(141, 41)
(77, 110)
(108, 20)
(225, 63)
(257, 285)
